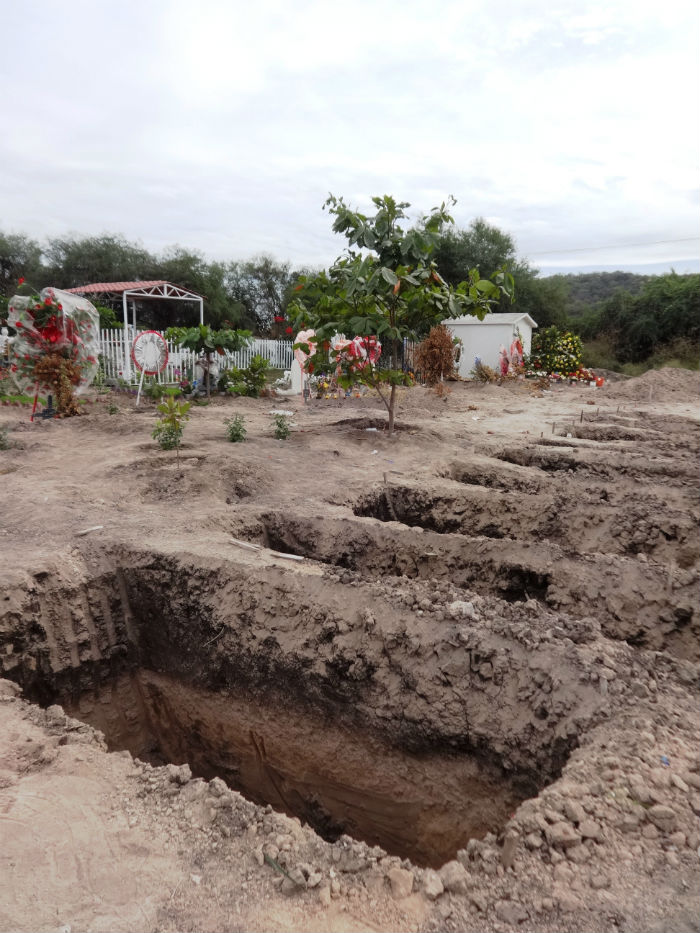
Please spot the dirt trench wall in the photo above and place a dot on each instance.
(650, 605)
(513, 683)
(338, 780)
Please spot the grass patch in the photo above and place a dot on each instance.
(22, 399)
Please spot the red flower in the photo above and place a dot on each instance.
(279, 319)
(47, 302)
(21, 281)
(289, 330)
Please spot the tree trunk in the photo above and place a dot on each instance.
(394, 354)
(392, 404)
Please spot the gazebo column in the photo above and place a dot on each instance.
(126, 368)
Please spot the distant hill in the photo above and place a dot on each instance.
(588, 288)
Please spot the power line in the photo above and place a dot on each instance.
(588, 249)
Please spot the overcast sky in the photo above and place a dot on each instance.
(222, 126)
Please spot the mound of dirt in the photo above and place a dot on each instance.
(660, 385)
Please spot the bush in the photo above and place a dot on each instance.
(282, 430)
(154, 390)
(168, 435)
(168, 429)
(254, 375)
(249, 381)
(435, 356)
(482, 372)
(599, 354)
(554, 351)
(235, 429)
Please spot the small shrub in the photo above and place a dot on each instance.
(254, 376)
(237, 388)
(235, 429)
(168, 436)
(168, 429)
(482, 372)
(4, 440)
(112, 410)
(249, 381)
(282, 430)
(227, 377)
(154, 390)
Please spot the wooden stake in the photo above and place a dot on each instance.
(36, 399)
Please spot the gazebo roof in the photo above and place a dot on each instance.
(158, 288)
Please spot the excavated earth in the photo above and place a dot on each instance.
(445, 680)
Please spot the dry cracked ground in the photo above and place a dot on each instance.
(441, 681)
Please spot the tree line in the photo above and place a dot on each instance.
(245, 295)
(624, 319)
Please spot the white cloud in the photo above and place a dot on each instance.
(223, 125)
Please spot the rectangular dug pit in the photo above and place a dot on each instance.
(269, 681)
(475, 561)
(338, 780)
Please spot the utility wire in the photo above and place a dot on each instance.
(588, 249)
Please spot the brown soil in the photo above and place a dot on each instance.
(470, 705)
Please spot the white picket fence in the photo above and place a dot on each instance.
(115, 348)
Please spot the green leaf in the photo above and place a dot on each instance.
(389, 275)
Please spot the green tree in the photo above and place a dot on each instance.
(544, 299)
(204, 340)
(264, 287)
(481, 246)
(20, 257)
(191, 270)
(387, 285)
(74, 261)
(666, 310)
(488, 249)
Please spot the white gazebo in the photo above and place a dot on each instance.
(485, 338)
(131, 291)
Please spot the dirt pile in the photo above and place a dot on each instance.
(659, 385)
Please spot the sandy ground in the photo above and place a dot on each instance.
(525, 562)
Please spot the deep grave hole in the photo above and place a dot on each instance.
(338, 780)
(413, 791)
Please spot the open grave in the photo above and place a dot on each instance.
(268, 684)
